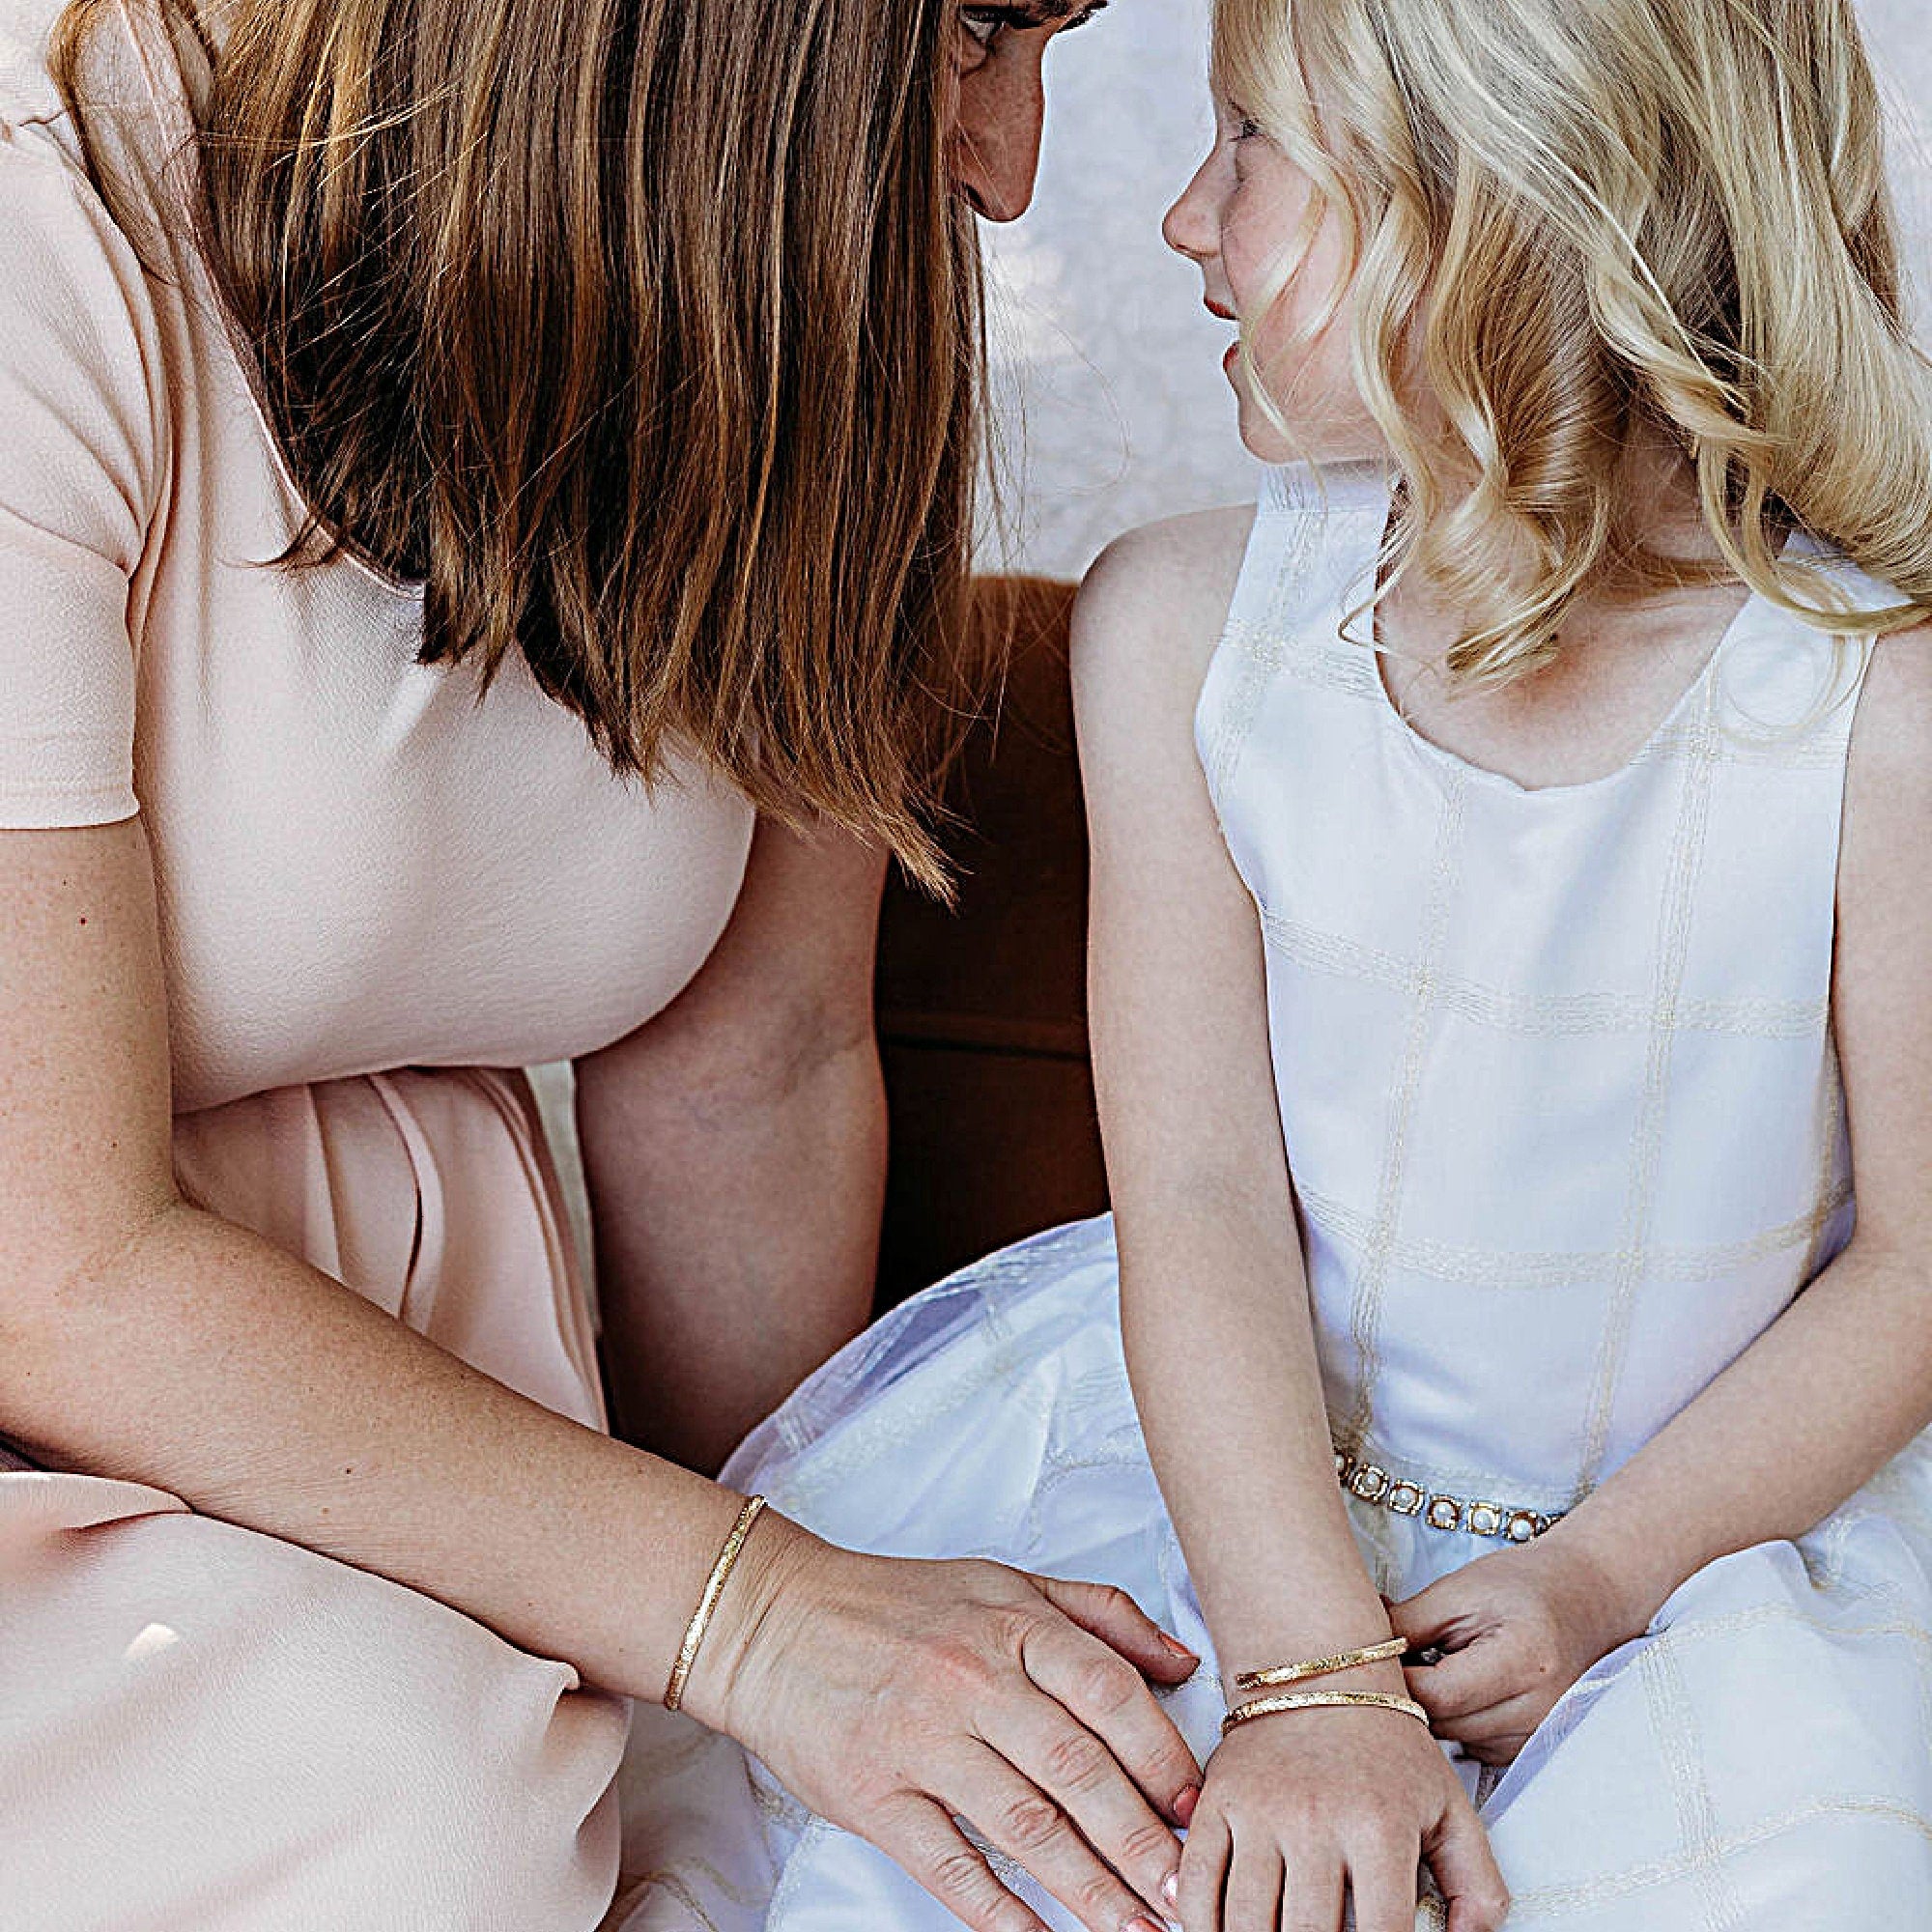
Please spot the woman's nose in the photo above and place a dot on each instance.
(996, 148)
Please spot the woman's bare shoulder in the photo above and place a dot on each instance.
(1154, 605)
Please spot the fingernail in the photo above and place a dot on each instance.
(1179, 1649)
(1170, 1887)
(1141, 1925)
(1184, 1806)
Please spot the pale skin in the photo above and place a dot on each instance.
(1214, 1291)
(147, 1338)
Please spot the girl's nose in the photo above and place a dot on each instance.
(1189, 227)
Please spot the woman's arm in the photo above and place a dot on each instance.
(1213, 1298)
(144, 1339)
(1837, 1385)
(736, 1148)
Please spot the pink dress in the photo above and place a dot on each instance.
(379, 899)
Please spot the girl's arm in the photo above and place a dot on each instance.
(1837, 1385)
(1214, 1307)
(736, 1148)
(143, 1339)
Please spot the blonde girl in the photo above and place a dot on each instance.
(484, 495)
(1512, 908)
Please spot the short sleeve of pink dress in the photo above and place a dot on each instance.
(79, 461)
(381, 893)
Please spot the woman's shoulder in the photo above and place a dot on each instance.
(28, 96)
(126, 70)
(83, 427)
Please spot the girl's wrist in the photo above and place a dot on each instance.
(1386, 1678)
(1628, 1577)
(1360, 1665)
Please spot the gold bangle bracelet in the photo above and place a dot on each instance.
(714, 1586)
(1321, 1666)
(1323, 1701)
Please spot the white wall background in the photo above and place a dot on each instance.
(1114, 407)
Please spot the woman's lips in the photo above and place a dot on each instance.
(1215, 308)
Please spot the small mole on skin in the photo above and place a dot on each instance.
(83, 921)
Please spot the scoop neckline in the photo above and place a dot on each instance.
(1693, 694)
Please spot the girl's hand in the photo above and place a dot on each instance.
(896, 1697)
(1305, 1804)
(1516, 1628)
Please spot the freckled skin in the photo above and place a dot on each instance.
(1001, 103)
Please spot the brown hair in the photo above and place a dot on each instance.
(1568, 219)
(646, 335)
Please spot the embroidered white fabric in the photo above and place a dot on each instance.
(1558, 1092)
(993, 1414)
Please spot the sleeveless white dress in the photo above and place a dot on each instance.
(1563, 1115)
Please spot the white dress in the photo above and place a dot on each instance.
(1564, 1120)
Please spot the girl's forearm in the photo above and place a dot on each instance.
(211, 1364)
(1220, 1346)
(1814, 1407)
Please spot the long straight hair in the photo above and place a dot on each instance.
(644, 334)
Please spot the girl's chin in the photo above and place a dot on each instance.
(1323, 441)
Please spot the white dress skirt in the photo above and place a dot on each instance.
(1565, 1130)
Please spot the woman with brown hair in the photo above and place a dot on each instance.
(484, 510)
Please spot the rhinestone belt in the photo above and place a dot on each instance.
(1374, 1483)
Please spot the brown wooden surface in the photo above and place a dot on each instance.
(982, 1010)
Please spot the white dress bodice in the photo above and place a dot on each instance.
(1554, 1066)
(1566, 1133)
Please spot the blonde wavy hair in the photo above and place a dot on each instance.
(1567, 222)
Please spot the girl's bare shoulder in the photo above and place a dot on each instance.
(1153, 606)
(1892, 739)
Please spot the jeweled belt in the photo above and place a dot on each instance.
(1375, 1484)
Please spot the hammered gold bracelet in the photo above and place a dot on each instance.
(714, 1586)
(1323, 1701)
(1321, 1666)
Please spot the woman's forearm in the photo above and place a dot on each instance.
(737, 1235)
(736, 1148)
(1214, 1314)
(1834, 1388)
(206, 1361)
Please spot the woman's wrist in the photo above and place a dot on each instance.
(759, 1595)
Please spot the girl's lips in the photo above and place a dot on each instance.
(1215, 308)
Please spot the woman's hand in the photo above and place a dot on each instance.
(1304, 1805)
(1516, 1628)
(896, 1697)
